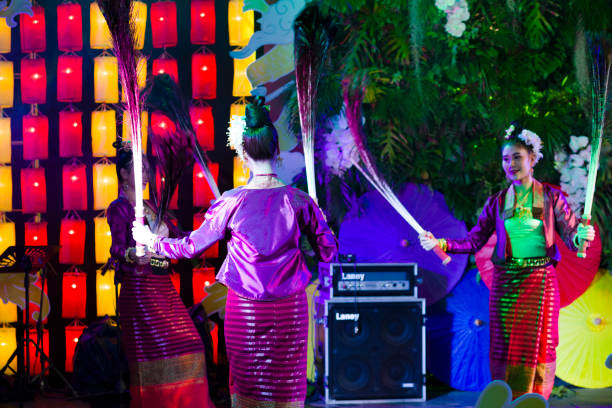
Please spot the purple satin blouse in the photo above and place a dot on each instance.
(263, 226)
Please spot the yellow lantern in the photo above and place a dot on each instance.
(5, 139)
(7, 234)
(242, 85)
(141, 72)
(139, 17)
(7, 84)
(241, 24)
(241, 173)
(104, 184)
(5, 37)
(8, 344)
(144, 125)
(99, 34)
(106, 302)
(103, 239)
(103, 133)
(6, 188)
(8, 312)
(238, 108)
(106, 79)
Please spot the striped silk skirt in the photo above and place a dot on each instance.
(266, 348)
(524, 317)
(164, 350)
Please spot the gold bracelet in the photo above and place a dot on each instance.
(443, 244)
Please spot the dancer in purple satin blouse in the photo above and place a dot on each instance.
(266, 324)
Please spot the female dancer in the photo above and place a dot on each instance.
(164, 350)
(524, 297)
(266, 325)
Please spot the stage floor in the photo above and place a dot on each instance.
(457, 399)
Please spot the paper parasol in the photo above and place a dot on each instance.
(458, 332)
(585, 336)
(574, 274)
(374, 232)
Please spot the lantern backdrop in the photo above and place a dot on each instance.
(103, 132)
(33, 190)
(163, 24)
(5, 37)
(103, 239)
(73, 333)
(126, 128)
(202, 277)
(173, 205)
(36, 233)
(37, 297)
(104, 184)
(238, 108)
(35, 131)
(74, 186)
(139, 17)
(106, 79)
(7, 233)
(69, 27)
(99, 34)
(141, 73)
(242, 85)
(8, 314)
(69, 78)
(8, 344)
(241, 173)
(6, 189)
(204, 76)
(105, 293)
(202, 194)
(166, 65)
(33, 80)
(5, 140)
(213, 251)
(72, 241)
(176, 281)
(7, 83)
(202, 22)
(161, 124)
(70, 133)
(74, 294)
(241, 24)
(32, 31)
(204, 126)
(35, 363)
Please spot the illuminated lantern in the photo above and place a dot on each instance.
(103, 133)
(163, 24)
(202, 194)
(6, 189)
(176, 281)
(213, 251)
(241, 24)
(73, 333)
(33, 190)
(33, 80)
(69, 78)
(74, 187)
(7, 83)
(104, 184)
(7, 234)
(203, 125)
(238, 108)
(242, 85)
(69, 27)
(202, 22)
(36, 233)
(106, 79)
(166, 65)
(72, 241)
(241, 173)
(70, 133)
(74, 294)
(139, 17)
(141, 73)
(5, 139)
(35, 364)
(103, 239)
(174, 200)
(5, 37)
(202, 277)
(8, 313)
(204, 76)
(32, 31)
(105, 293)
(8, 344)
(161, 124)
(35, 301)
(35, 137)
(99, 34)
(126, 128)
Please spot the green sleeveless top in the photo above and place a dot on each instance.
(526, 233)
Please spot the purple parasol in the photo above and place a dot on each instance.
(374, 232)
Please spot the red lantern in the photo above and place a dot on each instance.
(35, 137)
(176, 281)
(202, 22)
(163, 24)
(75, 187)
(202, 277)
(166, 65)
(35, 356)
(33, 190)
(70, 133)
(33, 80)
(161, 124)
(69, 27)
(72, 241)
(204, 76)
(35, 301)
(174, 200)
(202, 194)
(73, 333)
(213, 251)
(36, 233)
(69, 78)
(32, 31)
(74, 294)
(204, 126)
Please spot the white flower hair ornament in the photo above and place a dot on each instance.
(533, 140)
(235, 133)
(509, 132)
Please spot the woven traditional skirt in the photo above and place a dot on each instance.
(164, 350)
(266, 347)
(524, 317)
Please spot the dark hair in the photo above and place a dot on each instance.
(260, 139)
(124, 158)
(511, 137)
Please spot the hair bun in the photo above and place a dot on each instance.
(117, 144)
(257, 114)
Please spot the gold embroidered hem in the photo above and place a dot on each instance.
(239, 401)
(170, 370)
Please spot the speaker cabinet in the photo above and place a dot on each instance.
(374, 350)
